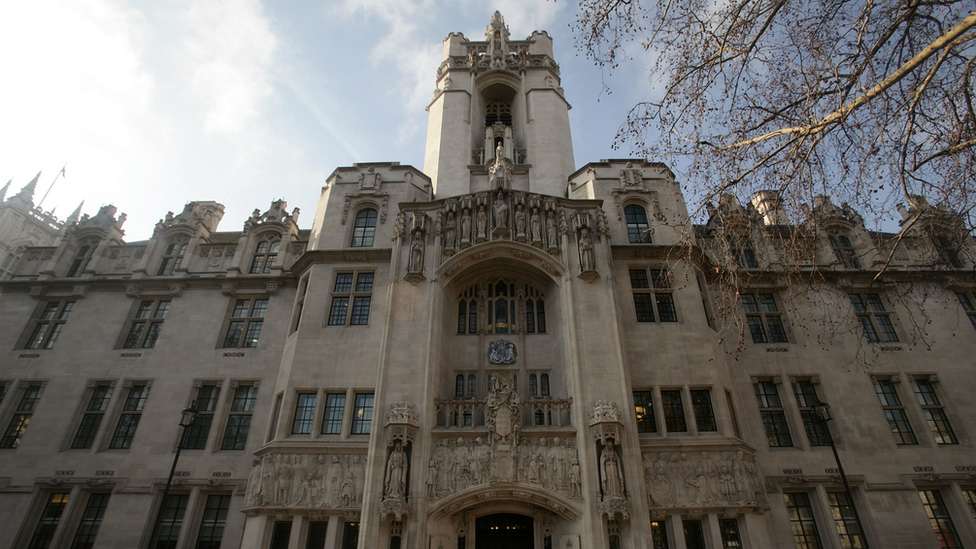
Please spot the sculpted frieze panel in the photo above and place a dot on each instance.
(705, 479)
(306, 480)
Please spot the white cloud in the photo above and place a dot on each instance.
(229, 51)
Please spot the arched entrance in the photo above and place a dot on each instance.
(504, 531)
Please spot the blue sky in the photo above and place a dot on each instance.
(153, 104)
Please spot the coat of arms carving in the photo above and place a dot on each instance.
(501, 352)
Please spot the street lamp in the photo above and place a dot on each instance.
(186, 420)
(822, 412)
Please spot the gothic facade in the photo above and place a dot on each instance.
(499, 350)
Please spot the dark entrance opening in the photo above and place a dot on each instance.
(504, 531)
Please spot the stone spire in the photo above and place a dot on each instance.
(497, 35)
(3, 191)
(26, 195)
(75, 215)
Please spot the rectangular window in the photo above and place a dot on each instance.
(206, 404)
(652, 290)
(280, 534)
(659, 535)
(316, 535)
(48, 325)
(125, 430)
(804, 525)
(304, 414)
(806, 398)
(842, 509)
(644, 407)
(894, 412)
(844, 251)
(363, 414)
(335, 404)
(91, 521)
(875, 321)
(764, 318)
(350, 535)
(772, 414)
(245, 323)
(22, 416)
(970, 496)
(91, 420)
(145, 326)
(935, 509)
(213, 522)
(730, 533)
(694, 536)
(172, 520)
(674, 412)
(967, 306)
(48, 524)
(340, 313)
(701, 403)
(935, 415)
(239, 420)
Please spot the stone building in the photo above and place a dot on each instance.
(501, 350)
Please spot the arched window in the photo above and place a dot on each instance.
(544, 384)
(844, 250)
(459, 386)
(82, 258)
(533, 385)
(498, 110)
(637, 227)
(172, 258)
(265, 256)
(502, 305)
(364, 228)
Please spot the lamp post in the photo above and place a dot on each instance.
(186, 420)
(822, 411)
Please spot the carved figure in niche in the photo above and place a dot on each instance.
(462, 468)
(519, 222)
(482, 222)
(483, 459)
(466, 226)
(396, 473)
(613, 480)
(574, 479)
(444, 462)
(545, 475)
(711, 475)
(501, 211)
(551, 236)
(254, 484)
(358, 473)
(498, 171)
(449, 231)
(285, 475)
(536, 225)
(556, 478)
(587, 262)
(726, 484)
(268, 480)
(431, 479)
(416, 264)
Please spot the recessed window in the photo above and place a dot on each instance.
(265, 256)
(48, 523)
(125, 429)
(742, 252)
(213, 522)
(939, 518)
(81, 260)
(91, 521)
(644, 409)
(966, 301)
(362, 417)
(364, 228)
(92, 418)
(172, 258)
(29, 398)
(894, 412)
(772, 414)
(764, 318)
(844, 250)
(171, 522)
(351, 304)
(206, 404)
(674, 412)
(245, 323)
(875, 321)
(146, 324)
(842, 508)
(934, 411)
(701, 403)
(638, 231)
(806, 398)
(47, 327)
(335, 406)
(304, 414)
(803, 523)
(239, 420)
(652, 292)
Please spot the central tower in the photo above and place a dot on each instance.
(499, 118)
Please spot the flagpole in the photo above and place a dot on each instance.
(51, 186)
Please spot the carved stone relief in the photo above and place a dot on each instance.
(705, 479)
(501, 352)
(306, 480)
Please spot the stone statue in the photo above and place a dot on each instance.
(536, 225)
(519, 221)
(551, 230)
(501, 211)
(466, 226)
(574, 479)
(630, 176)
(482, 222)
(587, 262)
(416, 263)
(449, 231)
(431, 479)
(612, 481)
(396, 473)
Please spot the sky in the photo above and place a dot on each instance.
(150, 105)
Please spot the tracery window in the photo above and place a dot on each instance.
(844, 250)
(498, 110)
(172, 258)
(510, 307)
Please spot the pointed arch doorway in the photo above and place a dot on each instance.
(504, 531)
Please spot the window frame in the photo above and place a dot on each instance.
(894, 413)
(807, 525)
(362, 416)
(96, 404)
(29, 396)
(874, 319)
(205, 399)
(364, 227)
(644, 402)
(172, 256)
(925, 388)
(303, 417)
(806, 395)
(347, 299)
(638, 232)
(704, 411)
(46, 325)
(238, 332)
(129, 415)
(81, 260)
(842, 245)
(237, 425)
(265, 256)
(675, 418)
(333, 413)
(653, 292)
(148, 315)
(772, 414)
(967, 300)
(764, 317)
(940, 518)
